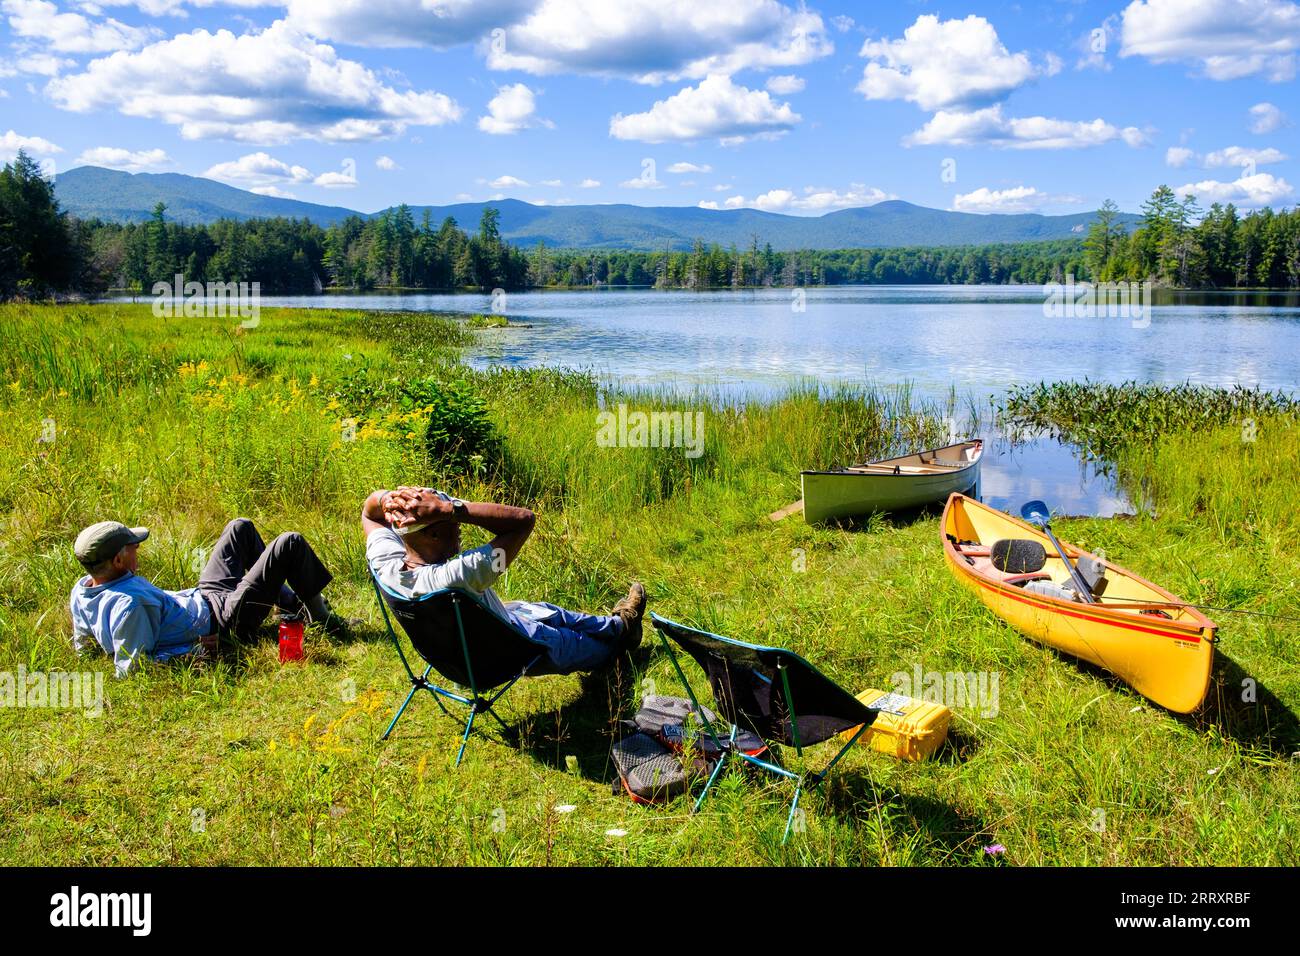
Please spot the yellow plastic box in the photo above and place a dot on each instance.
(905, 727)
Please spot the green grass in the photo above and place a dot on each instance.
(182, 424)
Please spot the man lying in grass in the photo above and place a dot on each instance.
(128, 617)
(413, 546)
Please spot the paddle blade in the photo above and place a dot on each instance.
(1036, 512)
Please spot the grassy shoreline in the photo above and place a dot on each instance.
(182, 424)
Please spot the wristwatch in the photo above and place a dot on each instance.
(459, 508)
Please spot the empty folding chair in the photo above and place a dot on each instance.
(770, 691)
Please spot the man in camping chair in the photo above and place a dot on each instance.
(413, 546)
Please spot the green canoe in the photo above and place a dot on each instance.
(891, 484)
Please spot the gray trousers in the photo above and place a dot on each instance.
(245, 578)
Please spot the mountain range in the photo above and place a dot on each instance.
(92, 192)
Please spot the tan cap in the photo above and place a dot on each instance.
(105, 539)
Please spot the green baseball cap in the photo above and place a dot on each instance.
(105, 539)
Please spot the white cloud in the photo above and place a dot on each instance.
(589, 184)
(988, 127)
(114, 157)
(1266, 118)
(43, 64)
(656, 41)
(508, 182)
(642, 182)
(335, 180)
(1229, 39)
(716, 107)
(511, 110)
(71, 32)
(785, 85)
(1261, 189)
(774, 200)
(387, 164)
(269, 87)
(1243, 156)
(157, 8)
(256, 170)
(275, 191)
(858, 194)
(11, 142)
(842, 23)
(944, 64)
(682, 168)
(403, 23)
(1015, 200)
(813, 199)
(553, 182)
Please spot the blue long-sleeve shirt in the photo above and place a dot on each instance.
(130, 616)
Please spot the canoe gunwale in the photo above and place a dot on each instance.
(967, 466)
(947, 472)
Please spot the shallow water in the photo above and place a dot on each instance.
(980, 339)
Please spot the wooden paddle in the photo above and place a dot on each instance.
(793, 507)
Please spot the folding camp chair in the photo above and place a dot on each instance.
(465, 641)
(771, 691)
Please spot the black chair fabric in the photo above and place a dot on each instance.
(748, 691)
(498, 652)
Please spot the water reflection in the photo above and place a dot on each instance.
(1043, 468)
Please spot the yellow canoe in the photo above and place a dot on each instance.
(1140, 632)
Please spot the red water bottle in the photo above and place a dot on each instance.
(290, 638)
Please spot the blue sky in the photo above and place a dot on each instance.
(982, 106)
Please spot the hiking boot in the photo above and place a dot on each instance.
(631, 609)
(320, 613)
(339, 627)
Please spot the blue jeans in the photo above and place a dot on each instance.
(574, 641)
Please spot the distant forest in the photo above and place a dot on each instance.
(45, 252)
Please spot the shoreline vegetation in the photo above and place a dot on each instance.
(1177, 245)
(182, 424)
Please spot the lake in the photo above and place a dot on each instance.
(980, 339)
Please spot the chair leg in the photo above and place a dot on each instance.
(498, 719)
(717, 769)
(400, 711)
(794, 805)
(469, 726)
